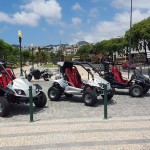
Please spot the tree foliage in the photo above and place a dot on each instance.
(84, 51)
(140, 35)
(26, 56)
(8, 52)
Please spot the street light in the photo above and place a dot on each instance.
(32, 53)
(130, 40)
(20, 40)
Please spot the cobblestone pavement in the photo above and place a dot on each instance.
(129, 133)
(70, 125)
(121, 105)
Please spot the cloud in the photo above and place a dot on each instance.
(94, 12)
(110, 29)
(94, 1)
(137, 16)
(61, 32)
(33, 11)
(23, 18)
(76, 21)
(137, 4)
(4, 17)
(20, 18)
(3, 29)
(47, 9)
(77, 7)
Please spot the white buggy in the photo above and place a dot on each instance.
(71, 84)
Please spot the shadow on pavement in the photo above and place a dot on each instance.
(127, 93)
(110, 102)
(22, 109)
(121, 93)
(77, 99)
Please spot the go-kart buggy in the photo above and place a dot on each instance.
(138, 85)
(71, 84)
(16, 90)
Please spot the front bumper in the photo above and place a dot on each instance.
(26, 99)
(147, 85)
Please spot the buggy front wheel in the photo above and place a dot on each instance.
(90, 98)
(41, 102)
(4, 107)
(54, 94)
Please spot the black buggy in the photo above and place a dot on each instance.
(138, 85)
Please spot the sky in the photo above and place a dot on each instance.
(45, 22)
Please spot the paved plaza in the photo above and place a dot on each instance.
(69, 124)
(94, 133)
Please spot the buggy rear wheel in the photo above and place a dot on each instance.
(54, 94)
(4, 107)
(90, 98)
(136, 91)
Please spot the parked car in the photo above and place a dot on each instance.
(126, 65)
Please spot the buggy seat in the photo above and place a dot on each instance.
(118, 76)
(69, 76)
(77, 78)
(72, 74)
(1, 82)
(6, 78)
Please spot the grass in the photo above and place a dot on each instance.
(48, 65)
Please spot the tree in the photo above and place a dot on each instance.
(140, 35)
(107, 47)
(26, 55)
(7, 52)
(44, 56)
(84, 51)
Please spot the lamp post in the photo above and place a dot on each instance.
(32, 54)
(130, 40)
(20, 40)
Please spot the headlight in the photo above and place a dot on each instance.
(20, 92)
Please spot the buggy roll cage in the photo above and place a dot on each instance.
(69, 64)
(3, 70)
